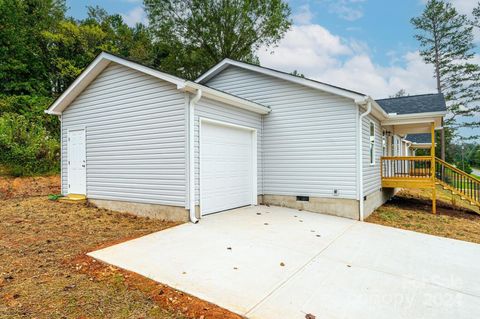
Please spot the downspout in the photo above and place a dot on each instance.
(191, 155)
(360, 157)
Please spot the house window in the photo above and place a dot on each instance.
(372, 143)
(397, 146)
(384, 143)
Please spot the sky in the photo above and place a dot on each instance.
(363, 45)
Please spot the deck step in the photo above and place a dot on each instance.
(73, 198)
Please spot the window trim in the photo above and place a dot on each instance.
(372, 142)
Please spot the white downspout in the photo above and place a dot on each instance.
(360, 157)
(191, 154)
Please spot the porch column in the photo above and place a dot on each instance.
(432, 153)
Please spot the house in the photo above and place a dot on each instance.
(139, 140)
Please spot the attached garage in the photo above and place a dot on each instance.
(138, 140)
(228, 164)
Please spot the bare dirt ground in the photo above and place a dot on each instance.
(44, 272)
(411, 209)
(11, 187)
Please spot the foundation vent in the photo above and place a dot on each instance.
(303, 198)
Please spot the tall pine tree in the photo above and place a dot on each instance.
(446, 42)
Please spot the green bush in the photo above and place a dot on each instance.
(464, 167)
(33, 108)
(26, 148)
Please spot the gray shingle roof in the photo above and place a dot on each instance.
(414, 104)
(421, 138)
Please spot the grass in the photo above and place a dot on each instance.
(44, 272)
(411, 209)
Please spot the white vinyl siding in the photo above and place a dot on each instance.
(136, 138)
(309, 138)
(372, 143)
(371, 172)
(218, 111)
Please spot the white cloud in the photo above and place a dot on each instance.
(316, 52)
(134, 16)
(303, 16)
(350, 10)
(464, 6)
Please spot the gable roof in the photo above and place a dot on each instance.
(104, 59)
(420, 138)
(282, 75)
(424, 103)
(357, 97)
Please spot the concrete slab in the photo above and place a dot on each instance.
(272, 262)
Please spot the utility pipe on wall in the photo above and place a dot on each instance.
(360, 157)
(191, 155)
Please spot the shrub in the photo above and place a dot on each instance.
(26, 148)
(33, 108)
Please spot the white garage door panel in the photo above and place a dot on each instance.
(226, 167)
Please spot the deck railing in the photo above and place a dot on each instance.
(406, 167)
(458, 181)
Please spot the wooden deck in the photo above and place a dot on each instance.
(408, 172)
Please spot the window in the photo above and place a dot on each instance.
(384, 143)
(372, 143)
(397, 146)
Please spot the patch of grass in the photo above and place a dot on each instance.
(389, 215)
(411, 210)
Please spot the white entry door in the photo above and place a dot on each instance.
(227, 167)
(77, 162)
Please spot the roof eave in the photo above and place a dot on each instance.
(414, 118)
(207, 92)
(287, 77)
(104, 59)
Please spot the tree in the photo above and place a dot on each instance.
(72, 44)
(296, 73)
(23, 67)
(41, 53)
(446, 42)
(399, 93)
(193, 35)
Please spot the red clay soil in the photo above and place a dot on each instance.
(15, 187)
(166, 297)
(42, 258)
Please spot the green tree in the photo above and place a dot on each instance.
(399, 93)
(23, 66)
(72, 44)
(446, 42)
(193, 35)
(27, 149)
(41, 53)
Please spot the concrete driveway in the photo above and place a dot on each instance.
(272, 262)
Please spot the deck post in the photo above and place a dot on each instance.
(432, 168)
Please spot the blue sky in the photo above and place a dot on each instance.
(364, 45)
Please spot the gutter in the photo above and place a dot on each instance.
(191, 155)
(368, 101)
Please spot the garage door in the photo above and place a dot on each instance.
(226, 167)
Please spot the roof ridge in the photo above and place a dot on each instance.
(293, 75)
(407, 96)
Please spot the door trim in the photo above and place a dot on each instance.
(73, 129)
(202, 120)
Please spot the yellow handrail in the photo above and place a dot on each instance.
(456, 179)
(453, 168)
(413, 158)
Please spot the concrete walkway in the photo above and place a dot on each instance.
(271, 262)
